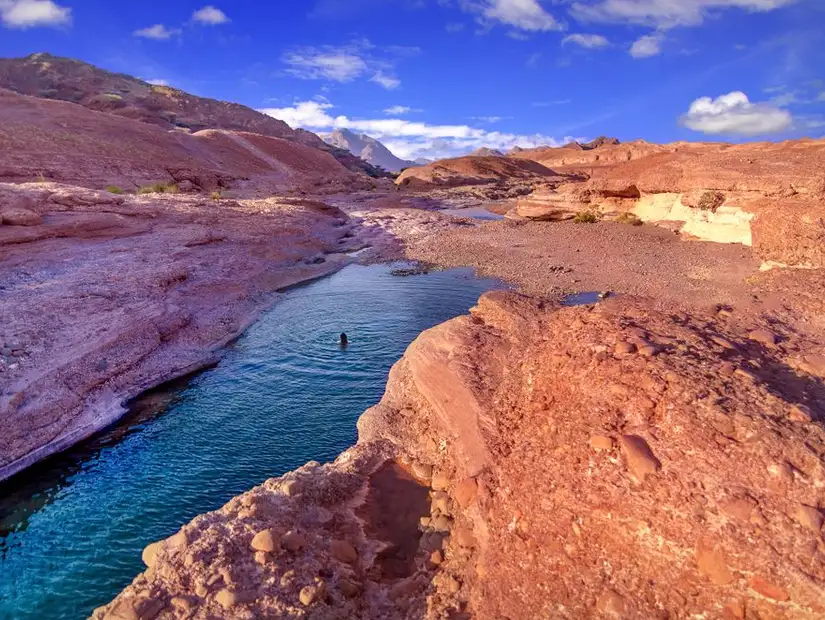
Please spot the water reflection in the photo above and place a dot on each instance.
(72, 528)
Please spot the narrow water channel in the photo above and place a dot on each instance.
(72, 528)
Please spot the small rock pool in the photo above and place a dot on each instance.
(72, 528)
(476, 213)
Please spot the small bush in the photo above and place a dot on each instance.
(711, 200)
(216, 195)
(114, 189)
(159, 188)
(586, 217)
(629, 218)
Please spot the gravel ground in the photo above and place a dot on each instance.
(549, 259)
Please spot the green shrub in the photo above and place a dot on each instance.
(114, 189)
(711, 200)
(586, 217)
(159, 188)
(629, 218)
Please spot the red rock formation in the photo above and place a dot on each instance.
(610, 461)
(66, 79)
(760, 194)
(105, 296)
(473, 170)
(64, 142)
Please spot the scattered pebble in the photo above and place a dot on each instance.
(640, 458)
(265, 540)
(440, 482)
(810, 517)
(712, 563)
(768, 589)
(764, 336)
(226, 598)
(150, 554)
(343, 551)
(611, 603)
(602, 443)
(293, 541)
(291, 487)
(349, 588)
(465, 492)
(313, 594)
(625, 348)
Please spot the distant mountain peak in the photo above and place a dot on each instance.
(367, 148)
(487, 152)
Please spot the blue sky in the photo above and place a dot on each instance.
(442, 77)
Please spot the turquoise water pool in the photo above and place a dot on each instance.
(72, 528)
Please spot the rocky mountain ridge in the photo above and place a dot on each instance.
(65, 79)
(367, 148)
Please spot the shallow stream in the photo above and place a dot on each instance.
(72, 528)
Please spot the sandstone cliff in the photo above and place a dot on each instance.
(530, 461)
(767, 195)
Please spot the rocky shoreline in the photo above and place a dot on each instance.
(531, 460)
(138, 291)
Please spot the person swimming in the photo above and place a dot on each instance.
(344, 340)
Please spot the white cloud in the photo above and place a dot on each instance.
(346, 63)
(785, 99)
(158, 32)
(405, 138)
(522, 14)
(811, 123)
(340, 67)
(387, 81)
(734, 114)
(307, 114)
(210, 15)
(32, 13)
(647, 46)
(490, 119)
(664, 13)
(158, 82)
(590, 41)
(399, 109)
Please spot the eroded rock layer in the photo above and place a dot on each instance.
(105, 296)
(766, 195)
(534, 461)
